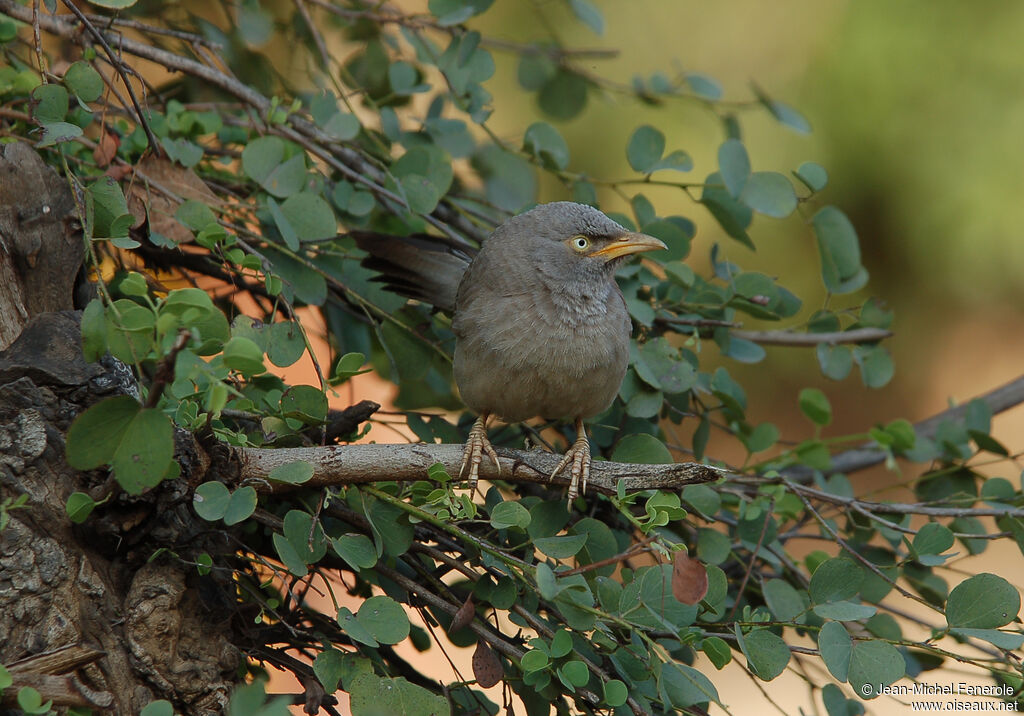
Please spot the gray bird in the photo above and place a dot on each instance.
(541, 327)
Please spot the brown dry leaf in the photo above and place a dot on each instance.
(689, 578)
(486, 666)
(165, 174)
(106, 149)
(464, 616)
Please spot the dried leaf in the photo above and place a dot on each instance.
(106, 149)
(155, 176)
(486, 666)
(464, 616)
(689, 578)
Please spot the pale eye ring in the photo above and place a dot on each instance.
(580, 243)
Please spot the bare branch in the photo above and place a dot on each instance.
(869, 454)
(351, 464)
(791, 338)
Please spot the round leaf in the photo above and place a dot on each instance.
(769, 193)
(984, 601)
(645, 147)
(836, 649)
(874, 663)
(384, 618)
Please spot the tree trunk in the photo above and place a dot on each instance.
(95, 615)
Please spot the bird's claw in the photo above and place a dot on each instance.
(579, 456)
(472, 455)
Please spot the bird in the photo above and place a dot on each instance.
(541, 327)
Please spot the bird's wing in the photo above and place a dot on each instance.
(426, 268)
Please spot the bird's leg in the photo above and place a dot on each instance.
(476, 445)
(579, 455)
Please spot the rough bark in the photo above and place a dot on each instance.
(85, 616)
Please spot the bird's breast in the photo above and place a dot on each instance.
(541, 354)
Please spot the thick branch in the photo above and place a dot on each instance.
(349, 464)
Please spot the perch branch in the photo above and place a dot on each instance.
(350, 464)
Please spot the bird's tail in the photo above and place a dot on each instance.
(426, 268)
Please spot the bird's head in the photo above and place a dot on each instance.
(571, 241)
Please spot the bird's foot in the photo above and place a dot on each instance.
(476, 445)
(579, 456)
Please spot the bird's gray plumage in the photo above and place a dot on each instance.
(540, 329)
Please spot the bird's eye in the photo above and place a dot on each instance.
(580, 243)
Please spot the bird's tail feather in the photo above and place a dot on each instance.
(426, 268)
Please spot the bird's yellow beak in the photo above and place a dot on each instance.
(630, 243)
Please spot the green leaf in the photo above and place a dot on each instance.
(645, 147)
(563, 96)
(329, 668)
(933, 538)
(311, 216)
(285, 343)
(704, 86)
(263, 160)
(349, 365)
(356, 549)
(293, 562)
(145, 451)
(351, 626)
(544, 142)
(984, 601)
(783, 600)
(588, 14)
(51, 104)
(836, 648)
(815, 406)
(643, 449)
(767, 654)
(210, 500)
(510, 180)
(845, 611)
(836, 361)
(874, 663)
(731, 215)
(241, 505)
(835, 580)
(560, 547)
(717, 651)
(372, 695)
(79, 506)
(1001, 639)
(769, 193)
(96, 434)
(676, 160)
(839, 250)
(292, 473)
(109, 209)
(812, 175)
(685, 686)
(713, 547)
(404, 79)
(255, 25)
(702, 498)
(157, 708)
(384, 618)
(454, 12)
(615, 693)
(509, 514)
(84, 81)
(243, 355)
(876, 366)
(734, 166)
